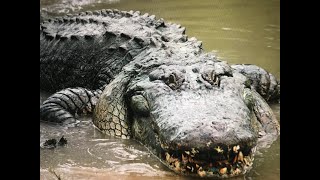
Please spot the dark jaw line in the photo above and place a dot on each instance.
(217, 163)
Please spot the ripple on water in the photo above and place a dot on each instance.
(126, 172)
(236, 29)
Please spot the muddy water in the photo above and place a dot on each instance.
(239, 31)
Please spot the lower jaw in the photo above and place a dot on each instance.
(187, 164)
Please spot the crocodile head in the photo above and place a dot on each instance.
(197, 117)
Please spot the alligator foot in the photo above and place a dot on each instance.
(63, 106)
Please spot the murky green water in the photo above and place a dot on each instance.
(240, 31)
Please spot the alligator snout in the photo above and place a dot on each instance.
(206, 135)
(195, 120)
(209, 148)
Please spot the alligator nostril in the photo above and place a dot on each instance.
(195, 70)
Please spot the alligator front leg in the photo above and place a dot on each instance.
(63, 106)
(262, 81)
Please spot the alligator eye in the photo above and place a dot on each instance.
(140, 105)
(172, 81)
(212, 78)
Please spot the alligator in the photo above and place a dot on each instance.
(143, 78)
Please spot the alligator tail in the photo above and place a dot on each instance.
(64, 106)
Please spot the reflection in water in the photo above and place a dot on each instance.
(238, 31)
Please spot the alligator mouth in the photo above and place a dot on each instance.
(220, 162)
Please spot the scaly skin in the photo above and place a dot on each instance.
(145, 79)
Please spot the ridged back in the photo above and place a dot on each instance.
(90, 49)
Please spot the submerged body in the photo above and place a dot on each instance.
(145, 79)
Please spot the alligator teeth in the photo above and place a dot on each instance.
(236, 171)
(184, 159)
(192, 169)
(247, 161)
(236, 148)
(185, 163)
(170, 159)
(167, 157)
(240, 156)
(218, 149)
(201, 173)
(195, 70)
(177, 165)
(223, 171)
